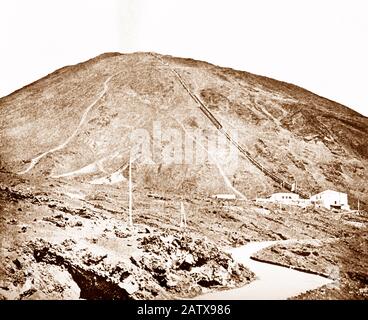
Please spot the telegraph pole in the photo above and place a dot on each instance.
(183, 218)
(130, 193)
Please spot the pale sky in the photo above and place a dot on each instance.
(320, 45)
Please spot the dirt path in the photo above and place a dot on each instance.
(34, 161)
(273, 282)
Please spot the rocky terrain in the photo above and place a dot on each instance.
(71, 241)
(65, 146)
(60, 248)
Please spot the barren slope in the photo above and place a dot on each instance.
(76, 122)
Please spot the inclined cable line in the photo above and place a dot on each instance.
(218, 125)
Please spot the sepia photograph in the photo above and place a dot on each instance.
(189, 151)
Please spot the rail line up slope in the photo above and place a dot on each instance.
(284, 184)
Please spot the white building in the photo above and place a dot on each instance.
(330, 199)
(224, 196)
(286, 198)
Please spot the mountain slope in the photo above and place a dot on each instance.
(75, 123)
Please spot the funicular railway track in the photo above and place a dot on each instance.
(282, 182)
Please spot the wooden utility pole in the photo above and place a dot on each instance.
(183, 218)
(130, 194)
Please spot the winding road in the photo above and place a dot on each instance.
(272, 283)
